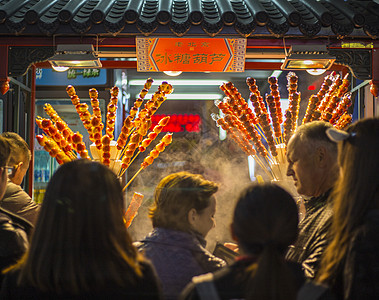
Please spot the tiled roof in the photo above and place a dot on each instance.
(263, 18)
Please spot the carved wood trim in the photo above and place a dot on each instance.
(20, 58)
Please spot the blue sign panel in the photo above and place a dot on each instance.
(76, 77)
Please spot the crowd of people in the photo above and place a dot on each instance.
(76, 245)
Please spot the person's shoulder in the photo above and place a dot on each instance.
(14, 220)
(15, 190)
(208, 261)
(314, 291)
(190, 291)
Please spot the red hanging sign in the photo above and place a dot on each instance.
(191, 54)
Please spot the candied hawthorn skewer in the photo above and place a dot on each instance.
(106, 150)
(52, 131)
(255, 97)
(343, 121)
(125, 131)
(53, 149)
(293, 98)
(130, 148)
(249, 132)
(96, 122)
(265, 123)
(287, 126)
(271, 103)
(141, 96)
(227, 123)
(240, 108)
(81, 108)
(59, 123)
(327, 114)
(160, 147)
(291, 116)
(111, 112)
(274, 88)
(312, 105)
(142, 122)
(341, 108)
(243, 144)
(328, 80)
(133, 207)
(151, 136)
(77, 139)
(343, 88)
(332, 90)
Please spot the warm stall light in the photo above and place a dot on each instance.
(302, 57)
(75, 56)
(316, 72)
(276, 73)
(174, 96)
(60, 68)
(181, 82)
(173, 73)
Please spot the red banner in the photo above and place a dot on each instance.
(191, 54)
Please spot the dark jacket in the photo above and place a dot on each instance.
(359, 277)
(313, 235)
(232, 282)
(17, 201)
(146, 288)
(358, 274)
(14, 240)
(178, 256)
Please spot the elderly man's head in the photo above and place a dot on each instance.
(312, 159)
(20, 156)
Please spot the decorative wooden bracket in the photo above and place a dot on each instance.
(20, 58)
(359, 61)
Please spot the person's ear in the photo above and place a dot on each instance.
(192, 216)
(17, 168)
(321, 156)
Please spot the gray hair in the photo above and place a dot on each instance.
(313, 135)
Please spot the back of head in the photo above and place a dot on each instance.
(4, 152)
(265, 223)
(264, 214)
(80, 240)
(313, 134)
(19, 148)
(359, 162)
(356, 193)
(176, 195)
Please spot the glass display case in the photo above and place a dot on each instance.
(44, 164)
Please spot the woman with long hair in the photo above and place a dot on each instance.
(350, 266)
(264, 225)
(81, 248)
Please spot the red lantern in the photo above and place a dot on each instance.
(374, 88)
(4, 85)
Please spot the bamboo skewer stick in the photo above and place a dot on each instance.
(262, 166)
(270, 164)
(122, 171)
(135, 156)
(130, 181)
(124, 149)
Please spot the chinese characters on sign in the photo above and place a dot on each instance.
(191, 54)
(179, 122)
